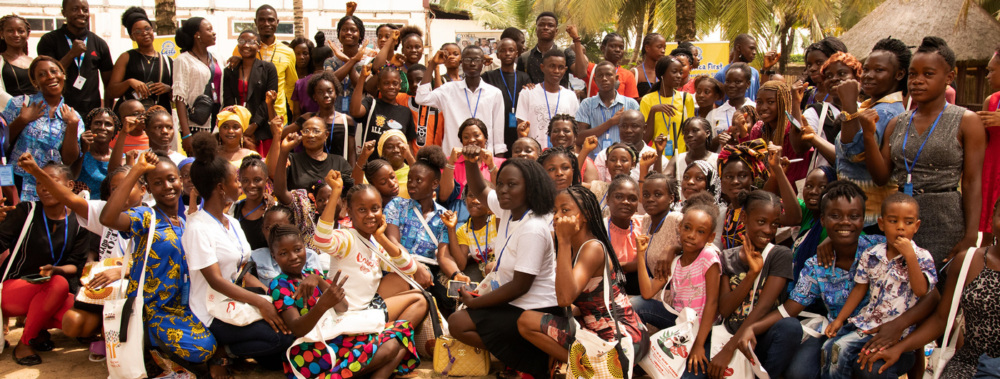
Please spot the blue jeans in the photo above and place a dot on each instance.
(902, 366)
(804, 364)
(840, 356)
(257, 340)
(774, 345)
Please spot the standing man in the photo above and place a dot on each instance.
(482, 101)
(279, 54)
(510, 81)
(84, 55)
(745, 50)
(546, 26)
(538, 105)
(600, 115)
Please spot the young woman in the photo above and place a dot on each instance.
(196, 71)
(233, 121)
(990, 116)
(303, 102)
(54, 248)
(472, 132)
(667, 108)
(621, 159)
(563, 132)
(659, 195)
(561, 166)
(249, 212)
(324, 89)
(160, 131)
(624, 227)
(383, 354)
(311, 164)
(774, 102)
(654, 47)
(525, 280)
(217, 249)
(93, 167)
(946, 161)
(380, 113)
(380, 175)
(14, 59)
(822, 134)
(303, 49)
(394, 149)
(742, 169)
(816, 55)
(707, 92)
(697, 135)
(42, 124)
(350, 33)
(526, 148)
(584, 257)
(141, 73)
(171, 322)
(250, 84)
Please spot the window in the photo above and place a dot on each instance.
(45, 24)
(284, 28)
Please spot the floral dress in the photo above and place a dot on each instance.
(352, 353)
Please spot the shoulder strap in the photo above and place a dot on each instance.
(753, 292)
(956, 298)
(359, 134)
(590, 81)
(129, 307)
(20, 239)
(427, 228)
(343, 119)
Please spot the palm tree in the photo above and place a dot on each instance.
(686, 13)
(166, 23)
(300, 29)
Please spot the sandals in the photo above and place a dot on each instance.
(223, 362)
(98, 351)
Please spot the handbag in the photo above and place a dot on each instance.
(123, 319)
(741, 366)
(940, 357)
(590, 356)
(670, 347)
(204, 106)
(331, 325)
(110, 291)
(10, 263)
(231, 311)
(454, 358)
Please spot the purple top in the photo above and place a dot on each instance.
(301, 95)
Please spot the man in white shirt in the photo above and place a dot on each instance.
(539, 104)
(462, 100)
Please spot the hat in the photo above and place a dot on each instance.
(235, 113)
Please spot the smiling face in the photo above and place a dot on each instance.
(267, 23)
(103, 128)
(899, 220)
(289, 253)
(836, 73)
(392, 151)
(737, 82)
(693, 181)
(512, 191)
(160, 130)
(348, 34)
(388, 85)
(472, 135)
(413, 49)
(77, 13)
(656, 198)
(562, 134)
(49, 78)
(814, 61)
(762, 223)
(525, 148)
(881, 74)
(206, 35)
(364, 207)
(619, 162)
(254, 181)
(736, 177)
(142, 33)
(929, 77)
(314, 133)
(164, 183)
(560, 170)
(385, 182)
(767, 106)
(843, 220)
(624, 201)
(674, 75)
(813, 190)
(15, 34)
(248, 45)
(695, 231)
(421, 182)
(231, 134)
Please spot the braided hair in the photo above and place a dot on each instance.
(752, 153)
(648, 40)
(840, 189)
(566, 118)
(3, 25)
(938, 45)
(662, 66)
(563, 151)
(673, 188)
(751, 112)
(252, 160)
(784, 96)
(903, 57)
(752, 199)
(280, 231)
(590, 209)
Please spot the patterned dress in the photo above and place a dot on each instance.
(982, 324)
(165, 309)
(351, 354)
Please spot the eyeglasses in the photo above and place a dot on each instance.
(311, 132)
(244, 42)
(146, 30)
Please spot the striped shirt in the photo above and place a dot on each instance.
(688, 283)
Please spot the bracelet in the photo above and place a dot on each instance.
(453, 275)
(851, 116)
(184, 137)
(449, 166)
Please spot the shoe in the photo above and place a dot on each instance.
(98, 351)
(42, 342)
(30, 360)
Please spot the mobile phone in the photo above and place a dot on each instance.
(35, 278)
(793, 120)
(454, 286)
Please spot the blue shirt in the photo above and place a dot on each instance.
(412, 234)
(751, 90)
(92, 173)
(850, 156)
(593, 112)
(42, 138)
(831, 285)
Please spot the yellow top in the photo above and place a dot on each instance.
(669, 126)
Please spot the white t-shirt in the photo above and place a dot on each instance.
(812, 118)
(112, 244)
(526, 246)
(206, 243)
(532, 107)
(721, 118)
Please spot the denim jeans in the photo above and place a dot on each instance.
(257, 340)
(774, 345)
(988, 367)
(805, 361)
(902, 366)
(840, 356)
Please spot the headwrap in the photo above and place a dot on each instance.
(753, 153)
(385, 137)
(784, 104)
(185, 162)
(847, 60)
(235, 113)
(711, 176)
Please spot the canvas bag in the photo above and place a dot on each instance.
(10, 262)
(740, 366)
(669, 348)
(110, 291)
(229, 310)
(940, 357)
(813, 324)
(124, 334)
(590, 356)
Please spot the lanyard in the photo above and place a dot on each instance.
(251, 212)
(480, 95)
(52, 251)
(546, 95)
(909, 167)
(479, 249)
(643, 65)
(78, 60)
(240, 251)
(513, 95)
(602, 203)
(671, 128)
(506, 235)
(172, 227)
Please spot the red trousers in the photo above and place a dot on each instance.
(43, 304)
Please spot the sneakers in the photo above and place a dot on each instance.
(98, 351)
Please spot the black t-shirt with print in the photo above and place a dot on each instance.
(385, 116)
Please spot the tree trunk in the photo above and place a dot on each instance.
(786, 39)
(166, 23)
(651, 17)
(300, 29)
(686, 30)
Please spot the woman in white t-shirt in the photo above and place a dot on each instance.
(523, 277)
(217, 250)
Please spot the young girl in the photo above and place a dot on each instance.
(526, 148)
(654, 47)
(475, 240)
(694, 275)
(659, 194)
(698, 176)
(380, 113)
(738, 79)
(667, 109)
(621, 159)
(584, 258)
(562, 167)
(707, 92)
(697, 134)
(452, 64)
(378, 355)
(563, 132)
(96, 145)
(741, 169)
(380, 175)
(249, 212)
(990, 116)
(742, 268)
(624, 225)
(160, 131)
(168, 315)
(267, 267)
(525, 265)
(815, 56)
(774, 101)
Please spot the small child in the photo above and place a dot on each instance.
(897, 273)
(481, 230)
(267, 268)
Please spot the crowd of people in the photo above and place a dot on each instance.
(309, 177)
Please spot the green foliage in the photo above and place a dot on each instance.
(796, 58)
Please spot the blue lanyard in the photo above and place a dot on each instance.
(251, 212)
(480, 95)
(602, 204)
(172, 227)
(506, 235)
(227, 232)
(546, 95)
(513, 95)
(909, 167)
(630, 228)
(643, 65)
(78, 60)
(479, 249)
(670, 127)
(52, 251)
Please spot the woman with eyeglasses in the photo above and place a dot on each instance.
(248, 85)
(141, 73)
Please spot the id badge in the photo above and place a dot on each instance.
(7, 175)
(494, 285)
(80, 81)
(345, 102)
(669, 149)
(908, 189)
(511, 120)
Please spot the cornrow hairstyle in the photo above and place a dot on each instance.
(662, 66)
(784, 96)
(105, 187)
(328, 76)
(252, 160)
(280, 231)
(541, 192)
(474, 122)
(357, 22)
(361, 188)
(314, 187)
(847, 60)
(590, 209)
(185, 34)
(648, 40)
(3, 25)
(840, 189)
(751, 112)
(432, 157)
(673, 188)
(281, 208)
(564, 117)
(903, 57)
(610, 36)
(386, 70)
(133, 15)
(621, 145)
(705, 125)
(932, 44)
(703, 201)
(716, 84)
(557, 151)
(63, 169)
(101, 111)
(621, 180)
(372, 167)
(163, 159)
(311, 65)
(752, 153)
(899, 198)
(749, 200)
(208, 169)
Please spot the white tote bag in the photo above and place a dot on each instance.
(669, 348)
(230, 311)
(124, 333)
(10, 262)
(595, 350)
(332, 325)
(740, 366)
(940, 357)
(813, 324)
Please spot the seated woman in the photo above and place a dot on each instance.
(621, 159)
(584, 257)
(526, 279)
(453, 180)
(216, 251)
(624, 227)
(560, 166)
(54, 248)
(233, 120)
(377, 355)
(267, 267)
(166, 313)
(249, 211)
(309, 166)
(393, 148)
(563, 131)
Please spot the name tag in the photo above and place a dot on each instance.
(511, 120)
(80, 81)
(669, 149)
(6, 175)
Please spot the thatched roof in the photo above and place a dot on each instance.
(911, 20)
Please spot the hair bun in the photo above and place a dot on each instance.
(204, 146)
(432, 155)
(132, 15)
